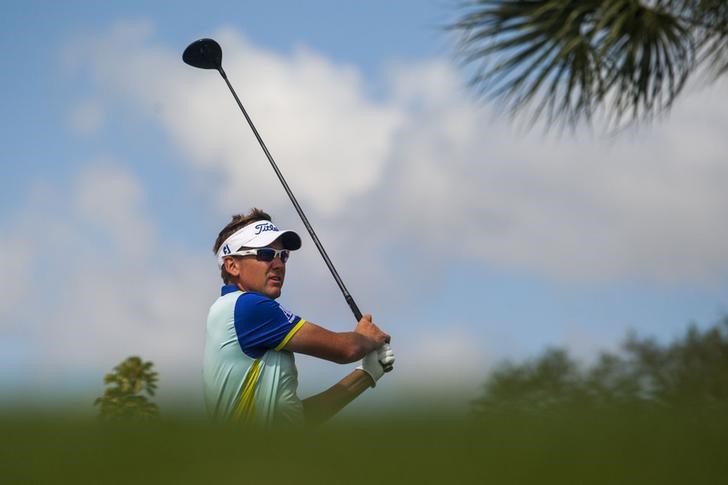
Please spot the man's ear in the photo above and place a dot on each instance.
(231, 266)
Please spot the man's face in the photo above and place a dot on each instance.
(259, 276)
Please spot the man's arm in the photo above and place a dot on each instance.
(323, 406)
(366, 342)
(339, 347)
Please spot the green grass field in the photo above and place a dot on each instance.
(564, 447)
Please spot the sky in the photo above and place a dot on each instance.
(469, 239)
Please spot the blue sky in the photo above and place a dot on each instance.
(469, 240)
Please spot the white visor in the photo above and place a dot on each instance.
(258, 234)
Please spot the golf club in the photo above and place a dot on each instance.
(207, 54)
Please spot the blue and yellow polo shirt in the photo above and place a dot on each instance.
(246, 374)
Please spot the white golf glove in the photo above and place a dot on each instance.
(376, 361)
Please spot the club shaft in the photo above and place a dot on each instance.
(347, 296)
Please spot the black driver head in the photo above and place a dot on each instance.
(203, 53)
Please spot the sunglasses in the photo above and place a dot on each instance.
(265, 254)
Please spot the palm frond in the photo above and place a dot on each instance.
(712, 34)
(520, 46)
(565, 60)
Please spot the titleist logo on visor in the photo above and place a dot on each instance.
(266, 226)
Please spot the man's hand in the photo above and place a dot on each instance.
(374, 362)
(367, 328)
(385, 355)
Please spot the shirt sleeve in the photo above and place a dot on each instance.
(262, 324)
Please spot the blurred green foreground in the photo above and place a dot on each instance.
(652, 414)
(577, 445)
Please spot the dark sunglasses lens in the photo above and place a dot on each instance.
(284, 255)
(266, 255)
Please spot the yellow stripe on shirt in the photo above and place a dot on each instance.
(245, 410)
(290, 334)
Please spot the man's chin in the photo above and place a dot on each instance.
(274, 293)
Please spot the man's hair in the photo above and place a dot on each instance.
(238, 221)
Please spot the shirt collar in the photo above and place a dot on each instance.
(228, 289)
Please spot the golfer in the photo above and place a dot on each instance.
(249, 370)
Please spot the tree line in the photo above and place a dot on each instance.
(691, 371)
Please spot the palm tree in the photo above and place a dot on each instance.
(123, 397)
(566, 61)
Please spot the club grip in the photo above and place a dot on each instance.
(354, 308)
(357, 314)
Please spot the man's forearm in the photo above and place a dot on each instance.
(339, 347)
(325, 405)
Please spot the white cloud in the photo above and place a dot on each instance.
(645, 208)
(93, 284)
(110, 199)
(15, 266)
(301, 105)
(438, 168)
(450, 357)
(27, 238)
(87, 117)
